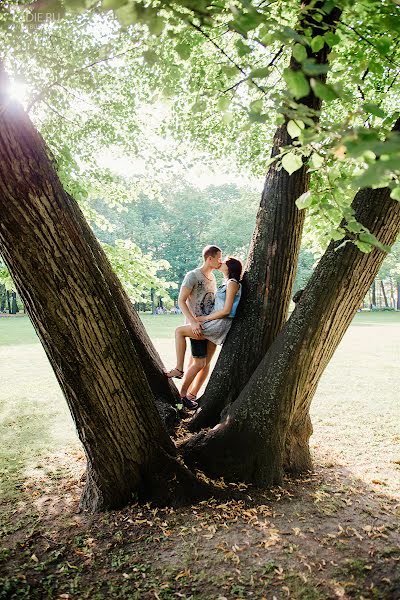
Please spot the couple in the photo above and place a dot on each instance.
(209, 313)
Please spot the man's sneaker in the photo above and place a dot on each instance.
(188, 403)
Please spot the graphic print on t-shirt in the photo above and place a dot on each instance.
(207, 304)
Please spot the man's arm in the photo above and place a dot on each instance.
(182, 303)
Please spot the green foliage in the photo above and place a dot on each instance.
(177, 225)
(137, 271)
(297, 83)
(291, 162)
(213, 77)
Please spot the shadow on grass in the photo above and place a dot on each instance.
(326, 535)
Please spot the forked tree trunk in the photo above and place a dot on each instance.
(267, 428)
(272, 261)
(100, 353)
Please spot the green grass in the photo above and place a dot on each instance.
(360, 381)
(19, 330)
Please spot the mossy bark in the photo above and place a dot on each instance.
(266, 430)
(272, 261)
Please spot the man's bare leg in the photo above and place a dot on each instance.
(203, 374)
(196, 365)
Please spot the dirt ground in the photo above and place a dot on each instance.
(334, 533)
(326, 535)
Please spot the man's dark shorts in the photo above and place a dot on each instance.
(199, 348)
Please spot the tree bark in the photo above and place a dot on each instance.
(271, 265)
(384, 294)
(398, 294)
(373, 292)
(2, 297)
(100, 353)
(14, 305)
(266, 429)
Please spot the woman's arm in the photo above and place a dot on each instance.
(231, 290)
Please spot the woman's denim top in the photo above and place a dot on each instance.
(220, 298)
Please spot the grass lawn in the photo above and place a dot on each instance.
(331, 534)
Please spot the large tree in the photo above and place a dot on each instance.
(260, 394)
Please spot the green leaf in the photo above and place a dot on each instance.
(294, 130)
(256, 105)
(331, 38)
(113, 4)
(297, 84)
(199, 106)
(256, 117)
(184, 50)
(366, 248)
(126, 15)
(291, 162)
(156, 25)
(242, 48)
(336, 234)
(395, 193)
(374, 109)
(311, 67)
(353, 226)
(304, 200)
(383, 44)
(260, 73)
(316, 161)
(227, 117)
(367, 238)
(317, 43)
(150, 57)
(299, 52)
(323, 91)
(223, 102)
(229, 71)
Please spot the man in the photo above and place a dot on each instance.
(196, 298)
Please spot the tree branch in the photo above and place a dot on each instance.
(46, 89)
(208, 37)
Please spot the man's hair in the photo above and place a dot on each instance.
(210, 251)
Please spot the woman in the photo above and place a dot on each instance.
(216, 325)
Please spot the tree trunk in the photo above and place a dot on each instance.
(271, 265)
(3, 297)
(8, 302)
(373, 291)
(384, 294)
(100, 353)
(266, 429)
(14, 306)
(398, 294)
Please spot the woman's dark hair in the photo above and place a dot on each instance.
(234, 268)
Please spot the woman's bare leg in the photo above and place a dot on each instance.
(181, 333)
